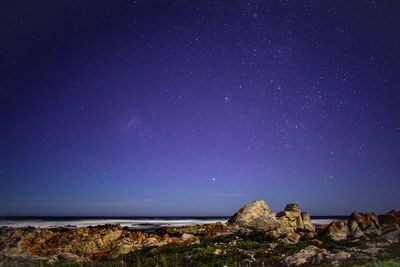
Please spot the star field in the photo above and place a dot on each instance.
(197, 107)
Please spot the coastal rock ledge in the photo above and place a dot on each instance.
(253, 235)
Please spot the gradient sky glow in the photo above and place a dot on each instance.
(198, 107)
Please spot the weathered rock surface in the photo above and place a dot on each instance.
(337, 230)
(308, 226)
(284, 235)
(303, 256)
(249, 212)
(391, 233)
(281, 226)
(208, 230)
(79, 244)
(392, 217)
(314, 255)
(264, 223)
(291, 217)
(361, 224)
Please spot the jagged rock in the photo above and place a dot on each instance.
(284, 235)
(87, 243)
(249, 212)
(299, 223)
(151, 242)
(189, 239)
(303, 256)
(331, 258)
(264, 223)
(123, 249)
(138, 237)
(70, 257)
(291, 217)
(361, 224)
(209, 230)
(391, 233)
(293, 208)
(392, 217)
(308, 225)
(337, 230)
(288, 219)
(215, 229)
(313, 255)
(310, 235)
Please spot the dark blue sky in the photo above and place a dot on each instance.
(197, 107)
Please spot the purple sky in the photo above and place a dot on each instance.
(198, 107)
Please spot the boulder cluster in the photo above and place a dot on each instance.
(287, 227)
(283, 226)
(80, 244)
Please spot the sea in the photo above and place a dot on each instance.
(144, 224)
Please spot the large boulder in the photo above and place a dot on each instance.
(249, 212)
(337, 230)
(361, 224)
(264, 223)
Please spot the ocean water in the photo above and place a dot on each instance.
(147, 224)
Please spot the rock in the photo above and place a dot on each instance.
(361, 224)
(391, 233)
(264, 223)
(312, 255)
(189, 239)
(288, 219)
(123, 249)
(299, 223)
(331, 258)
(16, 253)
(310, 235)
(151, 242)
(69, 257)
(337, 230)
(77, 244)
(138, 237)
(215, 229)
(217, 251)
(172, 241)
(392, 217)
(290, 239)
(291, 217)
(249, 212)
(292, 207)
(308, 225)
(208, 230)
(303, 256)
(284, 235)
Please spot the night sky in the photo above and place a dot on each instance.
(198, 107)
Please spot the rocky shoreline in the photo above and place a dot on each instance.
(253, 236)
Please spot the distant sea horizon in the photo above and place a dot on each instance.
(139, 223)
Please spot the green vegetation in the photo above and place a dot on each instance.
(248, 244)
(384, 264)
(231, 251)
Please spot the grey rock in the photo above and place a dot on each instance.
(264, 223)
(249, 212)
